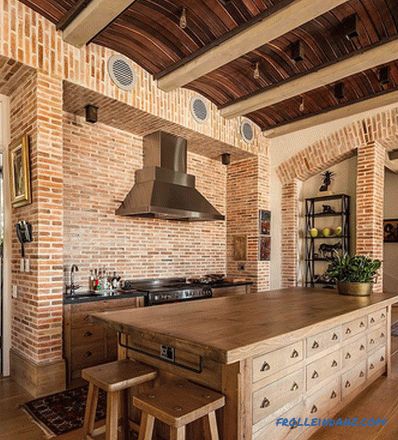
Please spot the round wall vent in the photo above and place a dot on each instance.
(247, 131)
(121, 72)
(199, 109)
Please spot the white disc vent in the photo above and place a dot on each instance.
(199, 109)
(247, 131)
(121, 72)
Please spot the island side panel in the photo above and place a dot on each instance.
(234, 381)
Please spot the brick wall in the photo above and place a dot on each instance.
(247, 193)
(370, 138)
(99, 165)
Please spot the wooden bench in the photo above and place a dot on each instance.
(115, 378)
(177, 404)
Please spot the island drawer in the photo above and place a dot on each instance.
(376, 338)
(270, 363)
(324, 367)
(354, 327)
(353, 378)
(324, 400)
(354, 350)
(272, 431)
(272, 397)
(322, 341)
(376, 361)
(377, 317)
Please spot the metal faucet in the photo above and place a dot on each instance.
(73, 287)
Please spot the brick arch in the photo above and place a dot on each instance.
(369, 138)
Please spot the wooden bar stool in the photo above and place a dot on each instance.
(115, 378)
(177, 404)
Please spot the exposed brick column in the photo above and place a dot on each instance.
(247, 193)
(289, 233)
(370, 201)
(36, 109)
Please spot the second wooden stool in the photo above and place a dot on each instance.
(177, 404)
(115, 378)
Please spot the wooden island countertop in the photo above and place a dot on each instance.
(291, 353)
(230, 329)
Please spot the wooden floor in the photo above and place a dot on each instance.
(379, 400)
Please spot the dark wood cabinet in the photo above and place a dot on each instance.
(87, 344)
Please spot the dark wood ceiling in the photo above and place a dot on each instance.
(149, 33)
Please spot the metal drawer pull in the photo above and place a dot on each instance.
(294, 387)
(88, 354)
(361, 374)
(372, 341)
(333, 395)
(372, 320)
(314, 375)
(348, 331)
(383, 315)
(382, 359)
(266, 403)
(362, 324)
(294, 354)
(348, 356)
(334, 337)
(315, 344)
(265, 366)
(347, 384)
(334, 363)
(371, 367)
(362, 347)
(314, 409)
(87, 334)
(382, 335)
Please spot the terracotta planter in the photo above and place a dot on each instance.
(354, 289)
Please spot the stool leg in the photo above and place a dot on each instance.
(146, 426)
(112, 415)
(91, 408)
(213, 425)
(177, 433)
(125, 394)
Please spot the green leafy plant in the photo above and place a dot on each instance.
(353, 269)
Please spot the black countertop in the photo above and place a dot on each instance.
(86, 296)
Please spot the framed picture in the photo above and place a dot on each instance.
(240, 247)
(265, 248)
(265, 222)
(20, 173)
(391, 231)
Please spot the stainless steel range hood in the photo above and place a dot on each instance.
(163, 189)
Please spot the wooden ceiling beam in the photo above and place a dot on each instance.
(333, 115)
(272, 26)
(81, 24)
(351, 65)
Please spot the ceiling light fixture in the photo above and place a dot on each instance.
(384, 75)
(339, 91)
(350, 26)
(256, 72)
(302, 105)
(297, 51)
(183, 18)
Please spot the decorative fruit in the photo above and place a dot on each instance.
(314, 232)
(326, 232)
(339, 231)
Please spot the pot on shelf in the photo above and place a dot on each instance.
(354, 289)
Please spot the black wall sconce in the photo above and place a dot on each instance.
(225, 158)
(91, 113)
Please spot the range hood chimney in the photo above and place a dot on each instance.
(163, 189)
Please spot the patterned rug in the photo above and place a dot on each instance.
(394, 329)
(63, 412)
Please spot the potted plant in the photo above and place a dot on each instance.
(354, 275)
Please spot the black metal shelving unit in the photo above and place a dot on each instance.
(313, 210)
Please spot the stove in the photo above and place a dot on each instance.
(168, 290)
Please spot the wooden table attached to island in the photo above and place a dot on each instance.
(290, 353)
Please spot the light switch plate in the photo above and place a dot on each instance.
(27, 265)
(14, 291)
(22, 265)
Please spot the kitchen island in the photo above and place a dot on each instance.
(287, 353)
